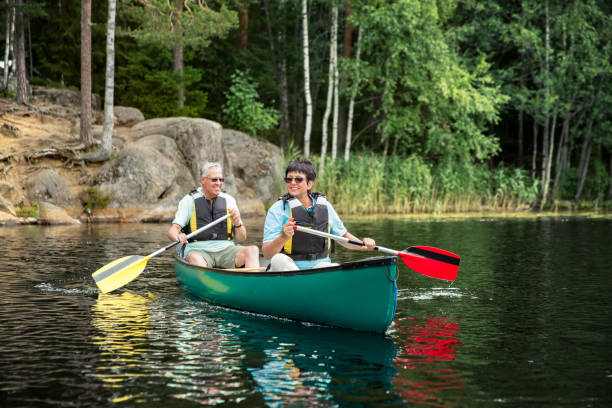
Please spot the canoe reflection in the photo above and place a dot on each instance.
(425, 376)
(123, 323)
(286, 363)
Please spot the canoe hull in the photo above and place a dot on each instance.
(356, 295)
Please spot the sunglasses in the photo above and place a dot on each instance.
(292, 179)
(214, 180)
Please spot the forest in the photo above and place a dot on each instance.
(404, 106)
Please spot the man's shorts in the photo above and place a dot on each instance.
(224, 259)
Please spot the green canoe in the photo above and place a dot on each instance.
(357, 295)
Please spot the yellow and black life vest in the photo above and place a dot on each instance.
(304, 246)
(204, 214)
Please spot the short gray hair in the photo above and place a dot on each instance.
(210, 165)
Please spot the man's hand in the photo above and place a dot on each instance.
(235, 215)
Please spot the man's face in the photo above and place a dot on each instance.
(212, 183)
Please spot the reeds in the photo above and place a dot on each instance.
(370, 184)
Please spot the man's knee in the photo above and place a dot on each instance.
(196, 259)
(253, 250)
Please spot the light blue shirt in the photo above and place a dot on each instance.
(277, 217)
(183, 215)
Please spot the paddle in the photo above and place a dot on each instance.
(428, 261)
(124, 270)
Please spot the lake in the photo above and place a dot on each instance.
(527, 323)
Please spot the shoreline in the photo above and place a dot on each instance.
(29, 221)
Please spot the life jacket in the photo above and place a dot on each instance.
(203, 214)
(303, 246)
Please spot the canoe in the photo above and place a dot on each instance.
(359, 295)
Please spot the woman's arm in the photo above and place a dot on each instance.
(274, 247)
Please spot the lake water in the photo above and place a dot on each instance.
(527, 323)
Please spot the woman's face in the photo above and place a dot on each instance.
(296, 183)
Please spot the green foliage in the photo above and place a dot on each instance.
(371, 184)
(7, 94)
(140, 83)
(161, 23)
(27, 211)
(243, 110)
(95, 199)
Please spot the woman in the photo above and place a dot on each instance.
(289, 249)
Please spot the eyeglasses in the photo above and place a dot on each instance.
(292, 179)
(216, 179)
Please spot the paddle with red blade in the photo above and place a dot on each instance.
(429, 261)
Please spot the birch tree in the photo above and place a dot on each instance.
(331, 86)
(305, 51)
(334, 46)
(8, 42)
(349, 122)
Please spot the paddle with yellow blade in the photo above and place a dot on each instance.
(124, 270)
(429, 261)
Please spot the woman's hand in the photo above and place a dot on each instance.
(288, 229)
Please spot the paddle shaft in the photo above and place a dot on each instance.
(342, 239)
(194, 233)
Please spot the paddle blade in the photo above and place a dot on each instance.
(119, 272)
(433, 262)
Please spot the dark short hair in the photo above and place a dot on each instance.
(303, 166)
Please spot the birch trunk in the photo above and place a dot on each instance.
(109, 89)
(308, 99)
(328, 105)
(86, 110)
(545, 134)
(9, 38)
(349, 125)
(549, 155)
(334, 46)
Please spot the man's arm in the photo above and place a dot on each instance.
(175, 234)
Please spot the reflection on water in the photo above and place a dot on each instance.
(274, 362)
(525, 324)
(429, 344)
(123, 323)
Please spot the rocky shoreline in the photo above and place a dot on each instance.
(154, 163)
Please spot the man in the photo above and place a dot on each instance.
(215, 247)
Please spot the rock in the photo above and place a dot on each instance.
(52, 215)
(47, 185)
(7, 219)
(127, 116)
(64, 97)
(7, 207)
(256, 164)
(10, 131)
(11, 194)
(147, 173)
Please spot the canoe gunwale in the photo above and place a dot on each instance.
(368, 262)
